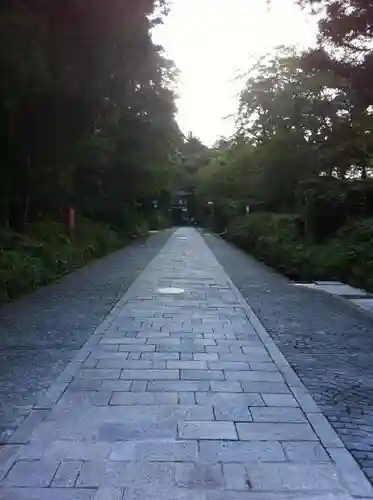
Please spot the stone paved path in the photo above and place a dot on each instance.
(53, 323)
(179, 397)
(326, 339)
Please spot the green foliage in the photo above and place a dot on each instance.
(297, 123)
(159, 221)
(87, 111)
(87, 119)
(326, 204)
(48, 252)
(19, 272)
(275, 240)
(303, 146)
(322, 205)
(191, 156)
(262, 233)
(227, 175)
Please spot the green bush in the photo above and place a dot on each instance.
(49, 251)
(20, 272)
(325, 205)
(357, 240)
(275, 240)
(158, 220)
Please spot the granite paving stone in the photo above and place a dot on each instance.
(133, 431)
(305, 451)
(139, 385)
(66, 450)
(109, 493)
(67, 474)
(99, 355)
(294, 477)
(282, 400)
(125, 474)
(155, 451)
(161, 356)
(225, 386)
(101, 374)
(128, 364)
(202, 375)
(179, 385)
(277, 414)
(228, 365)
(187, 365)
(228, 356)
(279, 432)
(90, 362)
(144, 398)
(330, 350)
(180, 397)
(94, 398)
(186, 356)
(199, 476)
(267, 495)
(47, 494)
(266, 367)
(265, 387)
(241, 451)
(35, 473)
(253, 376)
(149, 375)
(232, 413)
(228, 399)
(140, 348)
(207, 430)
(235, 476)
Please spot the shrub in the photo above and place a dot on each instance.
(275, 240)
(322, 208)
(325, 204)
(158, 220)
(48, 251)
(20, 272)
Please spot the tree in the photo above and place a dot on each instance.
(304, 126)
(86, 105)
(296, 121)
(306, 95)
(191, 156)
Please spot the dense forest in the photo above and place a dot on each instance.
(87, 108)
(301, 159)
(88, 131)
(89, 140)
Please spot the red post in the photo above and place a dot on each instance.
(71, 218)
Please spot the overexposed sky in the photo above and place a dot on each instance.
(212, 41)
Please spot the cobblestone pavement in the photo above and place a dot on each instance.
(179, 397)
(41, 333)
(326, 339)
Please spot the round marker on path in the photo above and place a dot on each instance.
(171, 291)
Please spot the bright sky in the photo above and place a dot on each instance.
(212, 41)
